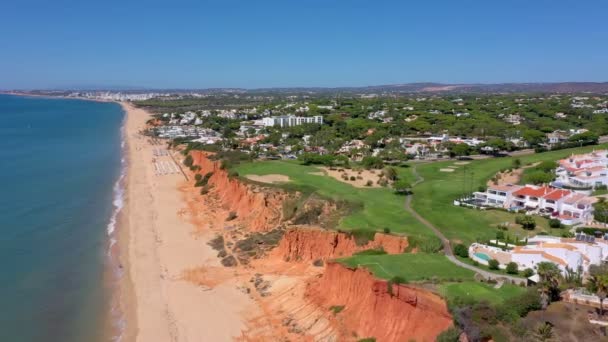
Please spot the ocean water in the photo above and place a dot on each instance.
(60, 161)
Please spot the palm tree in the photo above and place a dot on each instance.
(549, 274)
(601, 290)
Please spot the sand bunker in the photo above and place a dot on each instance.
(270, 179)
(446, 170)
(361, 177)
(462, 163)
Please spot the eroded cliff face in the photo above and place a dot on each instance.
(307, 244)
(260, 209)
(370, 310)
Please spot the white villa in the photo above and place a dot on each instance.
(584, 170)
(567, 253)
(568, 206)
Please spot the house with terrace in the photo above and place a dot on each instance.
(568, 206)
(588, 170)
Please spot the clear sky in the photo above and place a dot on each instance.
(257, 43)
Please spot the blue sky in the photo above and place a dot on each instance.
(188, 44)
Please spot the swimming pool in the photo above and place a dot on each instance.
(483, 256)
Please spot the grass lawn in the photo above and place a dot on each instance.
(471, 290)
(382, 208)
(411, 267)
(433, 198)
(599, 192)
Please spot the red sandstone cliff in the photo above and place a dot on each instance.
(308, 244)
(371, 311)
(261, 209)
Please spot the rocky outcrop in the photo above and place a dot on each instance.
(372, 310)
(306, 244)
(262, 210)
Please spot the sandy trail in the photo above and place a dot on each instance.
(161, 305)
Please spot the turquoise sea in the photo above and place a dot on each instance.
(60, 166)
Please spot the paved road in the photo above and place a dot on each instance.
(447, 248)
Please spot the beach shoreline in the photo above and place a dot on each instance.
(157, 245)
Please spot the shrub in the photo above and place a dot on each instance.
(555, 223)
(205, 190)
(373, 251)
(461, 250)
(336, 309)
(526, 222)
(512, 268)
(318, 263)
(352, 178)
(450, 335)
(369, 183)
(526, 302)
(233, 174)
(396, 280)
(372, 162)
(362, 237)
(231, 216)
(493, 264)
(528, 272)
(188, 161)
(386, 230)
(198, 177)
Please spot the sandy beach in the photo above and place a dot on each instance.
(158, 245)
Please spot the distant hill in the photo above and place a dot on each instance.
(562, 87)
(559, 87)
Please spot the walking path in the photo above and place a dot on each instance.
(447, 248)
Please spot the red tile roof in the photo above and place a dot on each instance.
(532, 192)
(557, 194)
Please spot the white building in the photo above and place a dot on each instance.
(567, 206)
(584, 170)
(567, 253)
(291, 120)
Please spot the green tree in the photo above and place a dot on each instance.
(538, 177)
(459, 150)
(526, 222)
(598, 283)
(547, 166)
(512, 268)
(402, 186)
(372, 162)
(390, 173)
(516, 163)
(533, 137)
(461, 250)
(587, 138)
(600, 210)
(493, 264)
